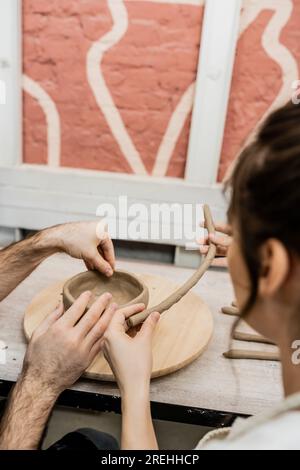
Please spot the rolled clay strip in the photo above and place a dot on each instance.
(246, 354)
(187, 286)
(251, 337)
(231, 311)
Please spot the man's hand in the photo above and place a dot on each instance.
(88, 241)
(63, 346)
(84, 240)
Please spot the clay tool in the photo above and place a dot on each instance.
(230, 311)
(247, 354)
(251, 337)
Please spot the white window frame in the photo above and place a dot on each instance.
(216, 59)
(11, 76)
(33, 196)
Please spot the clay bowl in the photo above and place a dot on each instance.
(126, 289)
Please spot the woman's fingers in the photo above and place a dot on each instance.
(203, 241)
(132, 310)
(203, 249)
(220, 227)
(118, 322)
(222, 243)
(219, 240)
(149, 325)
(221, 250)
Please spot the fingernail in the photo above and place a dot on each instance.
(109, 272)
(108, 295)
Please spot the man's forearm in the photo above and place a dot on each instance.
(137, 426)
(26, 416)
(18, 260)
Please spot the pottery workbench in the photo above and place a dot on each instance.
(211, 391)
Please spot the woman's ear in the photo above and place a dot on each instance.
(275, 266)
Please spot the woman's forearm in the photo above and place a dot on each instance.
(137, 427)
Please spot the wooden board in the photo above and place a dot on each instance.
(182, 334)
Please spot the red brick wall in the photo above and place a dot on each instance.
(267, 62)
(144, 80)
(146, 72)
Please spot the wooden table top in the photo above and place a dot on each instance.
(211, 382)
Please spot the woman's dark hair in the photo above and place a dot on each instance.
(265, 190)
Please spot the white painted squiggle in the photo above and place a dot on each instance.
(106, 103)
(175, 126)
(179, 2)
(179, 116)
(52, 118)
(101, 92)
(277, 51)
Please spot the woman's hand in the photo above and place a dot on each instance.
(130, 358)
(131, 362)
(222, 241)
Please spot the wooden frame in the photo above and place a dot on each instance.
(33, 196)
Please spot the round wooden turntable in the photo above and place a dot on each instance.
(182, 334)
